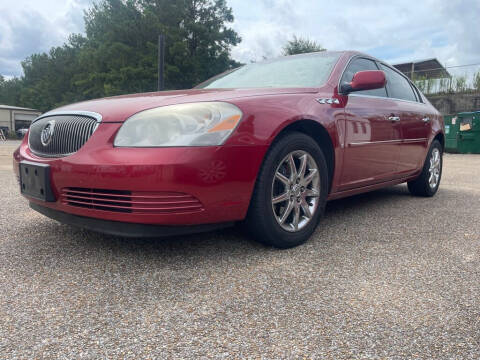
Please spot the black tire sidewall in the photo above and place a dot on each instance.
(421, 186)
(268, 228)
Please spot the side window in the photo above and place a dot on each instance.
(361, 64)
(398, 86)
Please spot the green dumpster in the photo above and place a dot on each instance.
(468, 138)
(452, 126)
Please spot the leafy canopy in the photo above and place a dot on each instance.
(300, 45)
(118, 54)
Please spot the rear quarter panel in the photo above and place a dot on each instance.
(438, 124)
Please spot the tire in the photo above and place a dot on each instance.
(422, 186)
(309, 198)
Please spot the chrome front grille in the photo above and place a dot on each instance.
(60, 135)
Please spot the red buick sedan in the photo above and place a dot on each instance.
(268, 144)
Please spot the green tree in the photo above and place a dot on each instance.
(420, 82)
(10, 91)
(460, 84)
(476, 81)
(48, 78)
(122, 47)
(301, 46)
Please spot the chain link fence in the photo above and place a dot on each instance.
(463, 79)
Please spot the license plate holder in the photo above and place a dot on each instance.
(35, 181)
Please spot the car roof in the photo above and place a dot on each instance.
(345, 53)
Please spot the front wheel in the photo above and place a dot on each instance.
(290, 194)
(428, 181)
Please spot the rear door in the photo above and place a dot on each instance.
(372, 133)
(415, 121)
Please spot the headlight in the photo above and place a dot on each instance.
(195, 124)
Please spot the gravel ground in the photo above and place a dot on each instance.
(386, 275)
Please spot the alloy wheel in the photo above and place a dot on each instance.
(295, 190)
(434, 169)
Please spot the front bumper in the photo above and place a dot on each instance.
(122, 228)
(220, 177)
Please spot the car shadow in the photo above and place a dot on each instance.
(232, 240)
(370, 199)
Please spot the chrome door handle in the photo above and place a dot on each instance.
(426, 119)
(394, 118)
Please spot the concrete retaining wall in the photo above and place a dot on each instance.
(455, 103)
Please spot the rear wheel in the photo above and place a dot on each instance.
(428, 181)
(290, 193)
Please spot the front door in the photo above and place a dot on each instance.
(372, 133)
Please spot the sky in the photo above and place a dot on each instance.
(394, 31)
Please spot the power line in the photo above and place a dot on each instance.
(456, 66)
(442, 68)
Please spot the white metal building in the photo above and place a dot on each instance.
(15, 118)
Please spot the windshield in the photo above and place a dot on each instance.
(308, 70)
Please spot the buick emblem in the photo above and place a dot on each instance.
(47, 133)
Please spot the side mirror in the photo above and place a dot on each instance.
(365, 80)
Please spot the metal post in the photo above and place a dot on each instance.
(161, 61)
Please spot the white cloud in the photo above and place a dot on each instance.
(28, 27)
(393, 31)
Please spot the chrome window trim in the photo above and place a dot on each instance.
(91, 114)
(418, 92)
(389, 98)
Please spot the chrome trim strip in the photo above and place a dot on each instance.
(374, 142)
(415, 140)
(360, 143)
(91, 114)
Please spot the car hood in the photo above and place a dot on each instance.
(119, 108)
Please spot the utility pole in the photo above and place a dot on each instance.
(161, 61)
